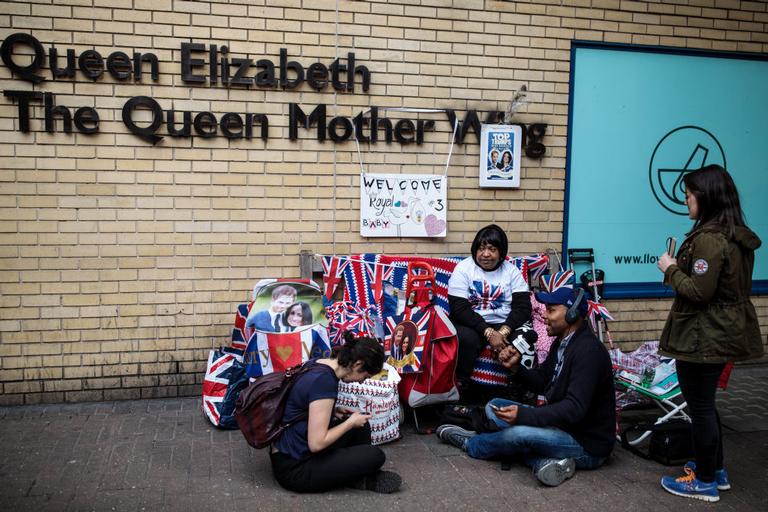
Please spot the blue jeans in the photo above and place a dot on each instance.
(534, 444)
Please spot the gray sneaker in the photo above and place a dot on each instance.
(455, 435)
(553, 472)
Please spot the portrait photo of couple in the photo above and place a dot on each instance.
(401, 345)
(281, 307)
(501, 161)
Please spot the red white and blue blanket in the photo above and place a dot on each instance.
(366, 277)
(371, 277)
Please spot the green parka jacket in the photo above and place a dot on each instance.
(712, 319)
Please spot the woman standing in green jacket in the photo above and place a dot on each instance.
(712, 320)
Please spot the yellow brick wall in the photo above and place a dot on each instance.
(121, 263)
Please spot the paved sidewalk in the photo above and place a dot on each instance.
(164, 455)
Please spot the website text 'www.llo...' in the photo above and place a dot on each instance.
(642, 259)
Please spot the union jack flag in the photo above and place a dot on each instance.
(377, 274)
(421, 318)
(269, 352)
(485, 295)
(595, 310)
(348, 316)
(537, 265)
(359, 289)
(224, 366)
(333, 268)
(557, 280)
(240, 333)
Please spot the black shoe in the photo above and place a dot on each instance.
(385, 482)
(455, 435)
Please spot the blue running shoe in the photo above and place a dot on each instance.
(689, 486)
(721, 476)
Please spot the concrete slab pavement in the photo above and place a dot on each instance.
(162, 454)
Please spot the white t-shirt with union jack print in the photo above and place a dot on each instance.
(490, 293)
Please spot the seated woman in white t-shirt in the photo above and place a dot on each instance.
(488, 298)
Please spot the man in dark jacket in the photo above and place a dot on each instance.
(575, 425)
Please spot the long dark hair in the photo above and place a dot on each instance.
(717, 198)
(365, 349)
(306, 313)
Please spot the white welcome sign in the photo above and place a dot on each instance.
(411, 205)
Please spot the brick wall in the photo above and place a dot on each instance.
(121, 262)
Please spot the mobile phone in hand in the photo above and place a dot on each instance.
(671, 246)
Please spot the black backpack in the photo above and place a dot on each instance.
(670, 442)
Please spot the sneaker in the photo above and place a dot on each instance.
(385, 482)
(721, 476)
(455, 435)
(553, 472)
(689, 486)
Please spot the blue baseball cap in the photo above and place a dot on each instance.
(563, 296)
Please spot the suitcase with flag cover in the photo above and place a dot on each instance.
(433, 380)
(224, 379)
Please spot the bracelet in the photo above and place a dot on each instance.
(488, 331)
(505, 331)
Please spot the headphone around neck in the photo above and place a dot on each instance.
(573, 312)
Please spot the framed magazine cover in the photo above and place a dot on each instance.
(500, 147)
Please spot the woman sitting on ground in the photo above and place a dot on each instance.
(488, 298)
(331, 449)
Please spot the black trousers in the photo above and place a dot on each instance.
(698, 382)
(341, 464)
(470, 345)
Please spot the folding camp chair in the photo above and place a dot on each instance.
(671, 403)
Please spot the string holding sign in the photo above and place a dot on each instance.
(395, 205)
(412, 111)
